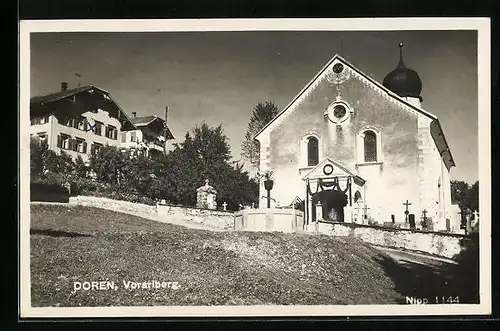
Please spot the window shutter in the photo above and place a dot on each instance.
(92, 149)
(59, 141)
(74, 145)
(85, 147)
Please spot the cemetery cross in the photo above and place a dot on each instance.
(406, 211)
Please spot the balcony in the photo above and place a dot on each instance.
(156, 145)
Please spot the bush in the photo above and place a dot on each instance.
(48, 192)
(427, 224)
(87, 186)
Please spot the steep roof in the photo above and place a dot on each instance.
(143, 121)
(52, 97)
(92, 96)
(436, 130)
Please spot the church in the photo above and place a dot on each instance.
(352, 149)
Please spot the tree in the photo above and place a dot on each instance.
(108, 164)
(81, 168)
(206, 155)
(139, 175)
(467, 196)
(262, 114)
(37, 151)
(473, 197)
(210, 144)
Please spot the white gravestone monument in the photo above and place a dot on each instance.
(205, 196)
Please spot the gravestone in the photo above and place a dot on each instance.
(468, 225)
(474, 220)
(205, 196)
(319, 212)
(411, 220)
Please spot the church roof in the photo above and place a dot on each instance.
(436, 129)
(337, 170)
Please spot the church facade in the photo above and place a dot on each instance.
(355, 150)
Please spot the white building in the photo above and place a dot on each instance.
(147, 137)
(78, 121)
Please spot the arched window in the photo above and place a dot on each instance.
(370, 146)
(312, 151)
(357, 197)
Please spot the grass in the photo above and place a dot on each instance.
(76, 244)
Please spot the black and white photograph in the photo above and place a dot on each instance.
(255, 167)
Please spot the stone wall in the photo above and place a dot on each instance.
(214, 220)
(203, 218)
(441, 244)
(137, 209)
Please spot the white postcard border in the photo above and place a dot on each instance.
(482, 25)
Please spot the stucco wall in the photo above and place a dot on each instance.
(53, 128)
(434, 179)
(388, 184)
(441, 244)
(269, 219)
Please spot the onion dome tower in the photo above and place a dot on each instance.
(404, 81)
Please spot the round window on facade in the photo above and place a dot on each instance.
(338, 112)
(337, 68)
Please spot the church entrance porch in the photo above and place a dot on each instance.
(331, 190)
(332, 203)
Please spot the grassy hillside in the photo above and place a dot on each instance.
(77, 244)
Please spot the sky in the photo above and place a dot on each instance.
(218, 77)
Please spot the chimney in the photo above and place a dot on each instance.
(134, 114)
(64, 86)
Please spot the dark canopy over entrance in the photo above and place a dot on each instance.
(332, 203)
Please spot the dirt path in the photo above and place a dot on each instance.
(405, 257)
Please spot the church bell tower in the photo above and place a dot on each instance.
(405, 82)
